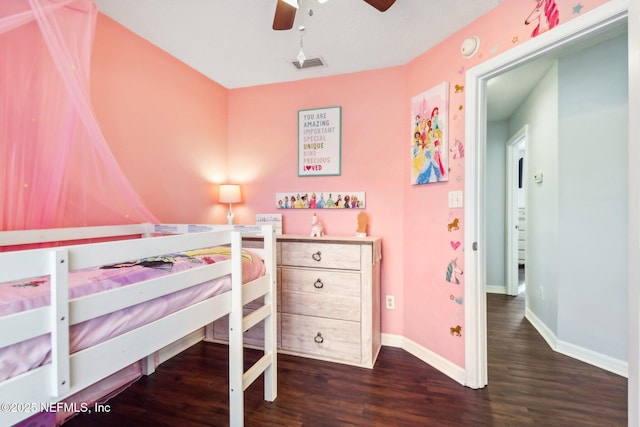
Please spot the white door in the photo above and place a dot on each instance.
(516, 207)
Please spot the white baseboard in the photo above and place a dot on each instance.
(453, 371)
(392, 340)
(608, 363)
(438, 362)
(493, 289)
(456, 373)
(542, 328)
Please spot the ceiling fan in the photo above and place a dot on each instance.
(286, 11)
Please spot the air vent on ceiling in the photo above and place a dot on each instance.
(309, 63)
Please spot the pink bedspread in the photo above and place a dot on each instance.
(27, 294)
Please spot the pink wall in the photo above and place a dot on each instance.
(263, 155)
(165, 123)
(432, 304)
(175, 133)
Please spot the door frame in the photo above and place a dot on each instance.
(602, 18)
(511, 204)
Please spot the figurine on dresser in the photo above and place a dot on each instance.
(316, 227)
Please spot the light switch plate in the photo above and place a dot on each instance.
(455, 199)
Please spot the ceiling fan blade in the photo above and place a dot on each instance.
(284, 16)
(381, 5)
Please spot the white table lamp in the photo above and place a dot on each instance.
(229, 193)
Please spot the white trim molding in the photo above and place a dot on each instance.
(432, 359)
(496, 289)
(602, 361)
(634, 214)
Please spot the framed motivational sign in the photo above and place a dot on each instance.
(319, 141)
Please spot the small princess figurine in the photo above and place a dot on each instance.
(316, 227)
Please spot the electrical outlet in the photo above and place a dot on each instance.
(391, 302)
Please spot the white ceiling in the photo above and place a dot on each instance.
(231, 41)
(507, 91)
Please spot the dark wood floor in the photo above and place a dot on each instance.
(529, 385)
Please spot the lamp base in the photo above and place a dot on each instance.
(230, 217)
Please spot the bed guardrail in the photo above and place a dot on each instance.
(62, 374)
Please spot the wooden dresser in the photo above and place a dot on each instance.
(328, 299)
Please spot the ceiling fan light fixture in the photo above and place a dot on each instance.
(301, 57)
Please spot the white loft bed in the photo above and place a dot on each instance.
(67, 374)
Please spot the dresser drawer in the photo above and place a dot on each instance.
(321, 337)
(321, 293)
(321, 255)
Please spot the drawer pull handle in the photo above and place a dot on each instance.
(318, 284)
(317, 256)
(318, 338)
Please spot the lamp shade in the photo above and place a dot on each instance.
(229, 193)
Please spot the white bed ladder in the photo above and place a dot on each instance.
(239, 380)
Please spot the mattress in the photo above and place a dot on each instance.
(34, 292)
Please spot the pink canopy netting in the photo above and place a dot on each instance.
(56, 168)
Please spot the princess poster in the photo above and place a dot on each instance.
(429, 141)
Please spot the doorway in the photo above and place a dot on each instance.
(610, 15)
(516, 225)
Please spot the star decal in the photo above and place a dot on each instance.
(514, 40)
(577, 8)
